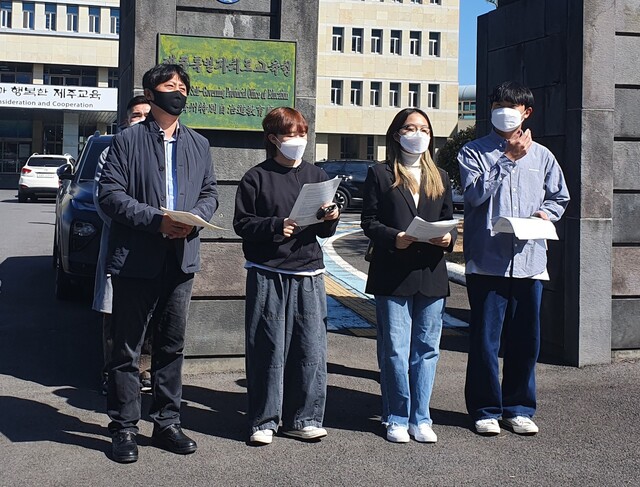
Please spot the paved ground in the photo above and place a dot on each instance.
(52, 422)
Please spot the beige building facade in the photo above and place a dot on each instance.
(58, 76)
(376, 57)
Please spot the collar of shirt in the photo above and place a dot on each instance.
(174, 137)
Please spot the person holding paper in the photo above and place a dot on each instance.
(506, 174)
(152, 258)
(286, 307)
(408, 278)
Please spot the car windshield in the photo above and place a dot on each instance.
(46, 161)
(89, 161)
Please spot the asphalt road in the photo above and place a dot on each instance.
(52, 421)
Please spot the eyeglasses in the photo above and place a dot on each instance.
(412, 129)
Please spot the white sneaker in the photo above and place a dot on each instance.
(397, 433)
(423, 433)
(488, 427)
(521, 425)
(262, 437)
(307, 433)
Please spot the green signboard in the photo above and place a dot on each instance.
(234, 82)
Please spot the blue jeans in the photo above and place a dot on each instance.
(508, 308)
(286, 350)
(409, 329)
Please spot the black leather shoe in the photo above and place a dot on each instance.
(174, 440)
(123, 447)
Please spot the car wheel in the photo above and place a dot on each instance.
(342, 198)
(22, 198)
(64, 286)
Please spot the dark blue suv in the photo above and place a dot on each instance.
(76, 240)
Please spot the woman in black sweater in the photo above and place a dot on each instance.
(286, 306)
(408, 278)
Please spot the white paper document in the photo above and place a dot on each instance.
(425, 231)
(190, 219)
(313, 196)
(532, 228)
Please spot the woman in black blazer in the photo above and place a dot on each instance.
(408, 278)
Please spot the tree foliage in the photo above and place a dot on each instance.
(448, 154)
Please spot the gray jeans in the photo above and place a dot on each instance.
(286, 350)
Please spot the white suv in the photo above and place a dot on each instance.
(38, 176)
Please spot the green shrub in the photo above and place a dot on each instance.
(448, 155)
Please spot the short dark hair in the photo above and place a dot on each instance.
(282, 120)
(162, 73)
(513, 92)
(137, 100)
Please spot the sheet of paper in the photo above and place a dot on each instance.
(313, 196)
(190, 219)
(531, 228)
(425, 231)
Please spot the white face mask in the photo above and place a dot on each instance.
(293, 149)
(415, 143)
(506, 119)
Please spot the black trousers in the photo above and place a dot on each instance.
(166, 298)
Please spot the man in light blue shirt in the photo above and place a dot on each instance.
(506, 174)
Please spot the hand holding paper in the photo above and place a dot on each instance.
(424, 231)
(532, 228)
(189, 219)
(312, 197)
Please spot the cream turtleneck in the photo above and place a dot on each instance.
(412, 163)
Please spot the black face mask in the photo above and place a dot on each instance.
(172, 102)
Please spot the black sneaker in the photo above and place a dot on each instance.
(145, 385)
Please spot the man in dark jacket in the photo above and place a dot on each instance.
(152, 258)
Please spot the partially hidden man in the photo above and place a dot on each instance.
(152, 259)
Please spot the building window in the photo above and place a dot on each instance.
(16, 73)
(70, 76)
(396, 42)
(28, 14)
(114, 24)
(433, 95)
(72, 18)
(415, 40)
(356, 93)
(376, 41)
(370, 147)
(336, 92)
(94, 20)
(50, 17)
(435, 2)
(337, 39)
(375, 94)
(467, 110)
(5, 15)
(414, 95)
(348, 147)
(356, 40)
(113, 78)
(434, 44)
(418, 2)
(394, 94)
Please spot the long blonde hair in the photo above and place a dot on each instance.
(430, 179)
